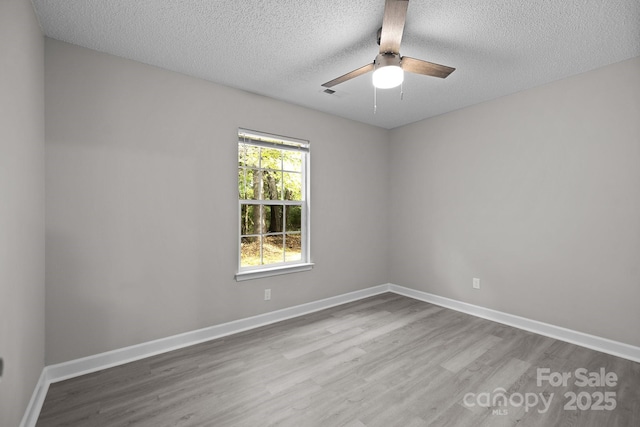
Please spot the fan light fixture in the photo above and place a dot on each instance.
(388, 73)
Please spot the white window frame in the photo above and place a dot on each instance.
(262, 139)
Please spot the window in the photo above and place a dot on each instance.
(273, 196)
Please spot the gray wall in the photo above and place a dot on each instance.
(21, 207)
(142, 202)
(537, 194)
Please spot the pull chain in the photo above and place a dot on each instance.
(375, 99)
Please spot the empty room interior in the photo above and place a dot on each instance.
(223, 214)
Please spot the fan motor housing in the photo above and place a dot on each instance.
(386, 59)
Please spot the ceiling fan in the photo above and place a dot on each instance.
(388, 67)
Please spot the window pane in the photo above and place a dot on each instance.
(245, 184)
(292, 185)
(271, 159)
(249, 182)
(248, 155)
(250, 251)
(249, 185)
(293, 247)
(257, 184)
(242, 185)
(292, 161)
(266, 219)
(251, 219)
(272, 250)
(273, 218)
(273, 185)
(294, 218)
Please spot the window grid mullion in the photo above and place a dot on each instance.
(272, 202)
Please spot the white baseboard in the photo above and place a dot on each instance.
(73, 368)
(30, 416)
(593, 342)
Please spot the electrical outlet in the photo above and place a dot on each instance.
(267, 294)
(476, 283)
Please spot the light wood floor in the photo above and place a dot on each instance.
(382, 361)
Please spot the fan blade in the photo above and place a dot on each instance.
(355, 73)
(418, 66)
(395, 13)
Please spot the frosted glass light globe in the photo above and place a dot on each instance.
(388, 77)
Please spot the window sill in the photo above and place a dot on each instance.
(275, 271)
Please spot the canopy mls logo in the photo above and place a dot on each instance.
(499, 400)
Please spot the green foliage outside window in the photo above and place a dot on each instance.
(270, 232)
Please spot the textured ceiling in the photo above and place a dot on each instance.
(286, 49)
